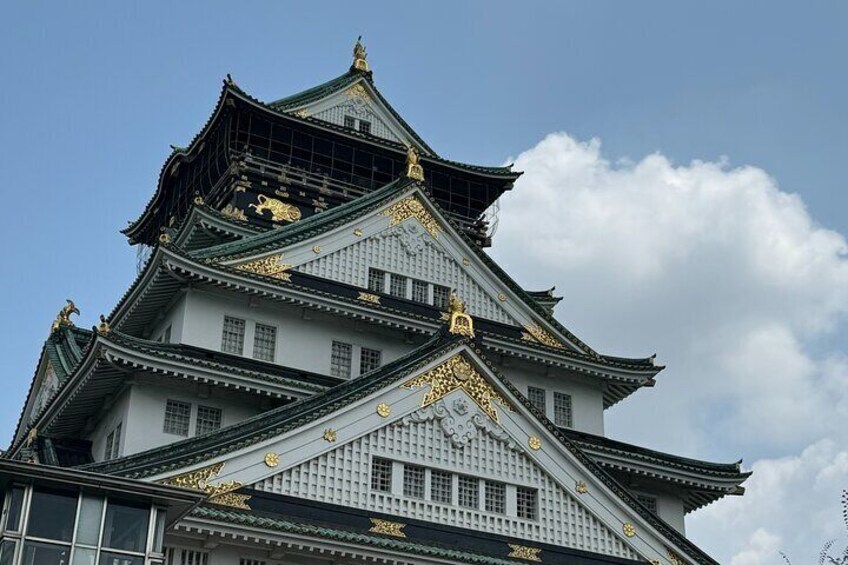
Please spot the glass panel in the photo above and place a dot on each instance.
(88, 530)
(125, 527)
(159, 532)
(7, 552)
(83, 556)
(52, 515)
(15, 498)
(37, 553)
(110, 558)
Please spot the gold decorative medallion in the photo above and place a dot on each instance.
(534, 443)
(535, 332)
(368, 297)
(272, 459)
(524, 552)
(330, 435)
(221, 493)
(357, 232)
(198, 200)
(414, 170)
(316, 249)
(460, 322)
(655, 562)
(465, 261)
(628, 530)
(164, 239)
(411, 207)
(581, 487)
(358, 91)
(302, 113)
(236, 213)
(387, 528)
(384, 410)
(502, 297)
(457, 373)
(280, 211)
(267, 266)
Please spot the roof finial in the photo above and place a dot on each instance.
(460, 322)
(359, 56)
(103, 328)
(414, 170)
(63, 318)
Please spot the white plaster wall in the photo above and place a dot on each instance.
(587, 400)
(302, 342)
(670, 508)
(173, 317)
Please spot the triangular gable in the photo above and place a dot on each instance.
(455, 414)
(409, 235)
(359, 99)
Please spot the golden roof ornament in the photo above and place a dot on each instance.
(360, 56)
(414, 170)
(460, 322)
(103, 327)
(63, 318)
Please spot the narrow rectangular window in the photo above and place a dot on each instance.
(527, 502)
(208, 419)
(364, 127)
(177, 418)
(562, 410)
(232, 339)
(397, 285)
(441, 486)
(413, 481)
(441, 297)
(495, 497)
(166, 335)
(376, 280)
(369, 359)
(116, 445)
(536, 396)
(649, 502)
(340, 360)
(381, 475)
(469, 492)
(350, 122)
(264, 342)
(110, 440)
(420, 291)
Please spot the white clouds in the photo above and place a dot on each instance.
(732, 283)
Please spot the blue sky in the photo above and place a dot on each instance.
(95, 93)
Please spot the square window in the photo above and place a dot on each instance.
(441, 486)
(420, 291)
(232, 339)
(208, 420)
(37, 552)
(527, 502)
(264, 342)
(441, 297)
(177, 418)
(536, 396)
(349, 122)
(369, 359)
(469, 492)
(649, 502)
(125, 527)
(364, 127)
(495, 497)
(413, 481)
(340, 359)
(381, 475)
(51, 516)
(397, 285)
(376, 280)
(562, 410)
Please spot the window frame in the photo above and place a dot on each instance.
(568, 407)
(270, 345)
(168, 402)
(241, 337)
(333, 356)
(220, 412)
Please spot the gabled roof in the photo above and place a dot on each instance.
(192, 452)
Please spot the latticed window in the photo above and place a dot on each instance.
(420, 291)
(208, 419)
(178, 556)
(413, 481)
(441, 486)
(369, 359)
(441, 297)
(376, 280)
(649, 502)
(495, 497)
(397, 285)
(113, 443)
(527, 502)
(364, 127)
(381, 475)
(177, 418)
(340, 359)
(536, 396)
(232, 340)
(264, 342)
(469, 492)
(350, 122)
(562, 410)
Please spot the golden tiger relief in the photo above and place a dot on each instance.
(280, 211)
